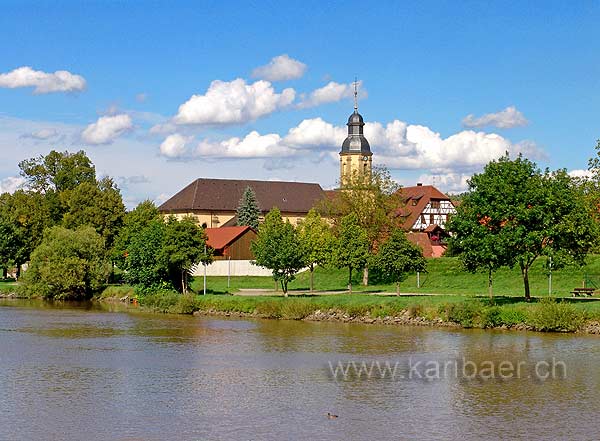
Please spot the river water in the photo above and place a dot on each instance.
(86, 373)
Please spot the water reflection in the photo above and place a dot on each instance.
(87, 372)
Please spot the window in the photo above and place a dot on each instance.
(414, 202)
(435, 205)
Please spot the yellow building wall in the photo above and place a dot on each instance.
(218, 219)
(353, 163)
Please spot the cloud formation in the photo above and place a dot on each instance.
(42, 82)
(175, 146)
(397, 145)
(330, 93)
(11, 184)
(505, 119)
(280, 68)
(233, 102)
(107, 129)
(41, 134)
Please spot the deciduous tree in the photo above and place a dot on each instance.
(316, 240)
(68, 264)
(278, 248)
(351, 247)
(515, 213)
(397, 257)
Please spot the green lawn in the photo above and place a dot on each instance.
(444, 276)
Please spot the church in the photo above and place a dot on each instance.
(214, 202)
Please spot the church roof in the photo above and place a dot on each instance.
(225, 194)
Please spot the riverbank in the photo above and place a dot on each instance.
(508, 313)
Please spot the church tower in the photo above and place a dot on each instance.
(355, 156)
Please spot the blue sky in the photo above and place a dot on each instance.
(138, 93)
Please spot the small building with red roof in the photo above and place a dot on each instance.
(231, 242)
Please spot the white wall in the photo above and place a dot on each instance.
(237, 268)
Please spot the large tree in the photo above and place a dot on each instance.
(98, 204)
(374, 199)
(351, 247)
(248, 211)
(57, 171)
(68, 264)
(317, 241)
(397, 257)
(515, 213)
(278, 248)
(134, 221)
(184, 246)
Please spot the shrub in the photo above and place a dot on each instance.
(549, 315)
(296, 309)
(465, 313)
(415, 311)
(161, 301)
(511, 317)
(186, 304)
(68, 264)
(491, 317)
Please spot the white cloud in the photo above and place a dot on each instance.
(330, 93)
(42, 134)
(505, 119)
(585, 174)
(107, 129)
(43, 82)
(280, 68)
(447, 182)
(233, 102)
(315, 133)
(253, 145)
(175, 146)
(11, 184)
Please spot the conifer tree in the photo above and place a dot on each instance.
(248, 210)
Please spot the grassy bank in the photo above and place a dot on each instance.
(468, 312)
(444, 276)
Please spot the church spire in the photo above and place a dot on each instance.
(355, 95)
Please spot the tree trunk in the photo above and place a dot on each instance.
(312, 273)
(18, 272)
(365, 280)
(490, 288)
(350, 280)
(4, 273)
(183, 282)
(525, 273)
(284, 287)
(397, 288)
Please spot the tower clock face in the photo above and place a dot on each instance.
(365, 158)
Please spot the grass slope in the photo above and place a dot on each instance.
(444, 276)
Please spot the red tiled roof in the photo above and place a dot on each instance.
(422, 240)
(225, 195)
(219, 238)
(422, 194)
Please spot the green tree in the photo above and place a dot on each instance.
(98, 204)
(133, 222)
(57, 171)
(9, 243)
(374, 199)
(528, 213)
(184, 246)
(28, 214)
(397, 257)
(316, 240)
(248, 211)
(351, 247)
(143, 265)
(277, 248)
(67, 264)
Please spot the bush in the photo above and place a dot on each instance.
(491, 317)
(296, 309)
(161, 301)
(68, 264)
(186, 304)
(465, 313)
(511, 317)
(548, 315)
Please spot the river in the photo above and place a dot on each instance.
(84, 372)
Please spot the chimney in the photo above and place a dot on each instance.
(419, 184)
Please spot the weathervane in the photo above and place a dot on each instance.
(355, 94)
